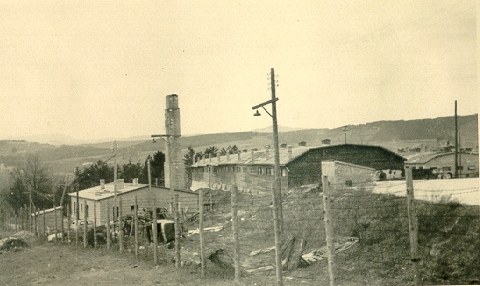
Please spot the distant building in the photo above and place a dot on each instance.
(327, 141)
(102, 198)
(345, 175)
(254, 170)
(442, 165)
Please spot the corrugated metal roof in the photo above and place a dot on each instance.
(96, 193)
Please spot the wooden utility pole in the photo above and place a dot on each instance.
(277, 171)
(412, 223)
(154, 213)
(327, 218)
(277, 184)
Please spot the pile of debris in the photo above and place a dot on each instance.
(293, 256)
(11, 243)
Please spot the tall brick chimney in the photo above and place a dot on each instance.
(173, 130)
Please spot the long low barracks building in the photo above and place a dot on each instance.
(96, 201)
(253, 171)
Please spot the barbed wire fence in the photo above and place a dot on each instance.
(371, 240)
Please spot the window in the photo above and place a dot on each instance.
(284, 172)
(471, 168)
(348, 183)
(86, 211)
(447, 168)
(460, 168)
(113, 213)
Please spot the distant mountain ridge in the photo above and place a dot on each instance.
(389, 134)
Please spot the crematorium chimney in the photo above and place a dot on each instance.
(172, 127)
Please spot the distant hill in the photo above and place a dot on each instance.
(268, 129)
(389, 134)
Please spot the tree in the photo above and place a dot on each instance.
(91, 176)
(132, 171)
(157, 166)
(232, 149)
(33, 179)
(189, 158)
(211, 151)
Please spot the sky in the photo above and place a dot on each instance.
(102, 69)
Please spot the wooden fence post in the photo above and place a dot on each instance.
(236, 246)
(135, 225)
(35, 220)
(85, 223)
(68, 224)
(135, 222)
(21, 218)
(56, 225)
(178, 261)
(200, 227)
(210, 199)
(154, 214)
(412, 223)
(77, 212)
(62, 227)
(107, 223)
(120, 225)
(45, 235)
(327, 218)
(94, 225)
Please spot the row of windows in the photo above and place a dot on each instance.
(449, 168)
(86, 209)
(236, 169)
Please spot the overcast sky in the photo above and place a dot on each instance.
(96, 69)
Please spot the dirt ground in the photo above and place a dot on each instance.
(50, 263)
